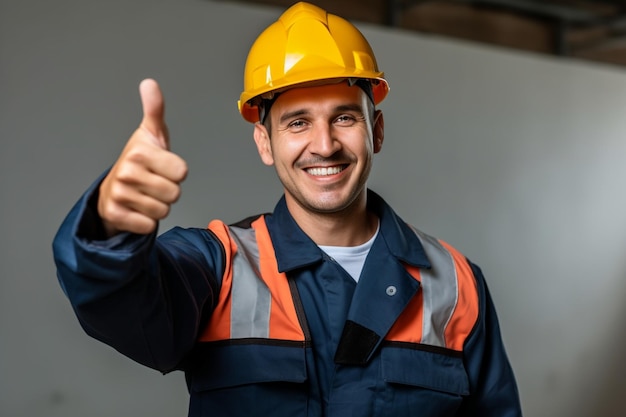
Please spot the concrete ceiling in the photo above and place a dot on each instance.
(583, 30)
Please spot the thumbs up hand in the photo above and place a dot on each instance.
(145, 180)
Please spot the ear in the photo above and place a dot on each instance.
(263, 144)
(379, 131)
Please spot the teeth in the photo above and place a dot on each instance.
(324, 171)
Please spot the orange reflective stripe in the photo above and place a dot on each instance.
(255, 300)
(466, 312)
(447, 318)
(284, 322)
(408, 327)
(218, 327)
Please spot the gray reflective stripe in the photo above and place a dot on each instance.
(251, 301)
(440, 290)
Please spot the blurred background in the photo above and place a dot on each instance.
(511, 151)
(590, 30)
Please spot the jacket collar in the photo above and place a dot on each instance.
(294, 249)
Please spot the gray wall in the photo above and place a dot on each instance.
(515, 159)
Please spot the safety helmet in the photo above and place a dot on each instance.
(307, 44)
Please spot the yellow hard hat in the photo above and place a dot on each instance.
(307, 44)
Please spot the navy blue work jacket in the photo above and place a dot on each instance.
(150, 297)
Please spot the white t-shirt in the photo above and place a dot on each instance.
(351, 258)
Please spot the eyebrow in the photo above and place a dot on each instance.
(341, 108)
(292, 114)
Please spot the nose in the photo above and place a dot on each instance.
(323, 141)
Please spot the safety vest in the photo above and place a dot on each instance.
(259, 303)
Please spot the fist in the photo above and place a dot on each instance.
(145, 180)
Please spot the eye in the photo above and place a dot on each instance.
(297, 125)
(346, 120)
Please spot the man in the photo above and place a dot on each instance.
(331, 305)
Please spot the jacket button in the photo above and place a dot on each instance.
(391, 291)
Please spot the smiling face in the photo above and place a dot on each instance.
(321, 143)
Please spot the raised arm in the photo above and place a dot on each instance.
(145, 296)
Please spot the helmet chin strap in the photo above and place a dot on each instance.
(365, 85)
(265, 105)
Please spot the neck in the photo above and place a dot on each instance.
(349, 227)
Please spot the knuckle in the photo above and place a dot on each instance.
(182, 170)
(146, 226)
(162, 212)
(137, 155)
(126, 172)
(117, 192)
(113, 214)
(174, 194)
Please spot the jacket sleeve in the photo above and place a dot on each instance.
(145, 296)
(493, 387)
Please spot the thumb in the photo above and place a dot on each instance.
(153, 111)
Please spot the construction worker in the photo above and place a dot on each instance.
(329, 306)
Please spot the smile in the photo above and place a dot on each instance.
(320, 172)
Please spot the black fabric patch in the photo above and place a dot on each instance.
(356, 345)
(247, 222)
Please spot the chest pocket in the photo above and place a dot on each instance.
(244, 379)
(419, 382)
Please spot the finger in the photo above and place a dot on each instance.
(126, 205)
(130, 221)
(145, 157)
(139, 224)
(131, 199)
(134, 179)
(160, 189)
(153, 106)
(117, 216)
(168, 165)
